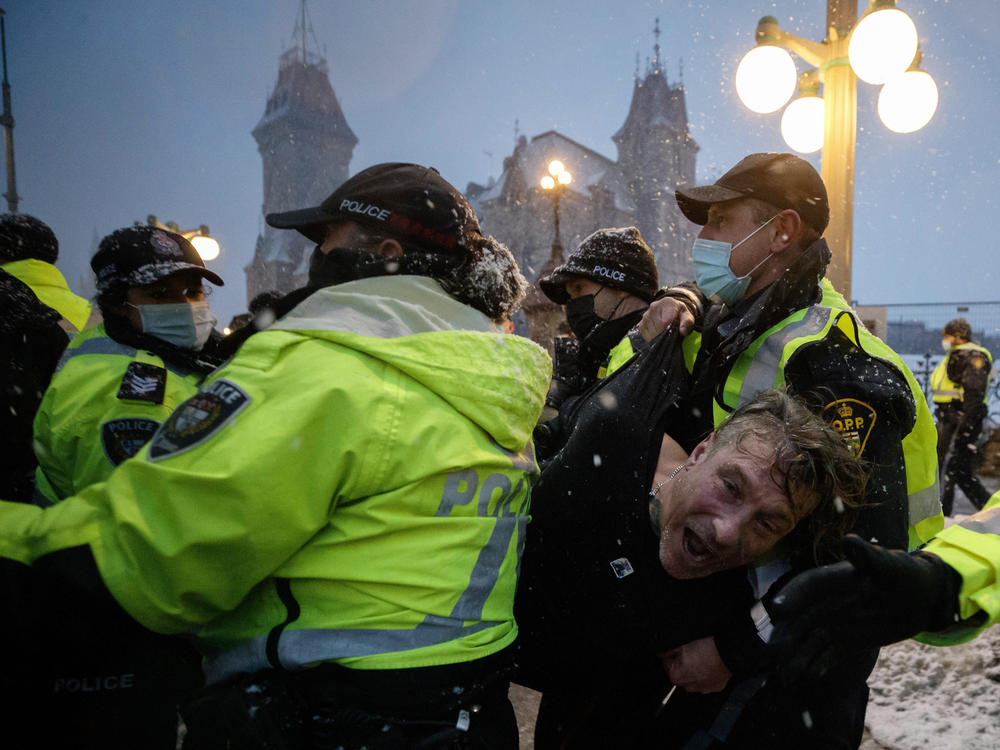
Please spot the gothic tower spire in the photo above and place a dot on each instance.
(656, 154)
(656, 47)
(306, 146)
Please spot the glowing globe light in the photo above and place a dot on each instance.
(882, 45)
(765, 78)
(907, 102)
(207, 247)
(556, 167)
(547, 183)
(802, 124)
(565, 178)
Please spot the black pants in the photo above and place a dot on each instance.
(958, 457)
(458, 707)
(79, 672)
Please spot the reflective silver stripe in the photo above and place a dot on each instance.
(297, 648)
(946, 392)
(984, 522)
(925, 503)
(486, 571)
(763, 369)
(99, 345)
(107, 345)
(766, 362)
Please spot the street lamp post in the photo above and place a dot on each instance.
(7, 121)
(879, 48)
(554, 184)
(206, 245)
(542, 315)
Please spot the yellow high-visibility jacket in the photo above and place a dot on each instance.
(351, 487)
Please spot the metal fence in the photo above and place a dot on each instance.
(914, 331)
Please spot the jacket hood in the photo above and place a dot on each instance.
(496, 380)
(50, 285)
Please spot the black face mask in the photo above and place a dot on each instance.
(342, 264)
(581, 316)
(596, 335)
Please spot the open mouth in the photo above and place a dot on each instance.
(696, 547)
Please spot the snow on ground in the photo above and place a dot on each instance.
(934, 697)
(946, 698)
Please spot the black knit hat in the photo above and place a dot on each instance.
(23, 236)
(958, 327)
(140, 255)
(783, 180)
(616, 257)
(410, 203)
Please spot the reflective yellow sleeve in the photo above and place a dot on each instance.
(972, 548)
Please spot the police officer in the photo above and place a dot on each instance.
(958, 389)
(605, 285)
(31, 342)
(28, 251)
(774, 321)
(118, 381)
(338, 514)
(115, 384)
(944, 594)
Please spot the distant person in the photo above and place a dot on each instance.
(28, 250)
(116, 384)
(262, 310)
(959, 390)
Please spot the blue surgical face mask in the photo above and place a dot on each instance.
(184, 324)
(712, 272)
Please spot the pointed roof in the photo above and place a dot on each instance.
(303, 90)
(654, 101)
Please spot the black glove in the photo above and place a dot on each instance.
(877, 597)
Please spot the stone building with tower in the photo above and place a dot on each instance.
(656, 154)
(306, 146)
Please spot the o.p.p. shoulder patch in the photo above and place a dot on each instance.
(853, 419)
(197, 419)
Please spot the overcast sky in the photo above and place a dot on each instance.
(125, 109)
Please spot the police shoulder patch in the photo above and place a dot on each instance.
(143, 382)
(123, 438)
(853, 419)
(197, 419)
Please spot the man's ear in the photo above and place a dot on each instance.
(787, 226)
(390, 249)
(701, 450)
